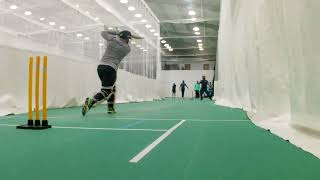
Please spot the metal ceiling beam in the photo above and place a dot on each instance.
(106, 6)
(193, 60)
(195, 47)
(80, 29)
(8, 31)
(149, 9)
(47, 28)
(186, 37)
(188, 21)
(188, 55)
(79, 10)
(84, 28)
(44, 26)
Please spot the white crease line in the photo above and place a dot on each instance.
(103, 129)
(204, 120)
(146, 119)
(155, 119)
(109, 129)
(149, 148)
(6, 117)
(8, 125)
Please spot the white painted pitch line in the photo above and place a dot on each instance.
(144, 119)
(103, 129)
(6, 117)
(155, 119)
(148, 119)
(110, 129)
(8, 125)
(149, 148)
(192, 120)
(207, 120)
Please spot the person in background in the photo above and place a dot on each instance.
(183, 86)
(204, 88)
(117, 49)
(197, 89)
(174, 86)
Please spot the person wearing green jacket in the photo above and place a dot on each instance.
(197, 88)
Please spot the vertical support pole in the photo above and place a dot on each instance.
(30, 88)
(37, 120)
(44, 92)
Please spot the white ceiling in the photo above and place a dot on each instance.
(177, 27)
(54, 25)
(77, 16)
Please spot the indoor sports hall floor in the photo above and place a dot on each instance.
(213, 143)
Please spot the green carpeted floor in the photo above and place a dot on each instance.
(215, 143)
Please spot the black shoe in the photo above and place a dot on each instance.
(111, 110)
(87, 106)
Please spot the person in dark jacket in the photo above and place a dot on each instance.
(204, 88)
(174, 87)
(183, 87)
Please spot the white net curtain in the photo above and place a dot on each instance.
(71, 28)
(269, 63)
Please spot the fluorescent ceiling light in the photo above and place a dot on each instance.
(152, 30)
(79, 35)
(28, 13)
(62, 27)
(199, 40)
(192, 13)
(148, 26)
(163, 41)
(42, 19)
(13, 7)
(138, 15)
(196, 29)
(131, 8)
(124, 1)
(52, 23)
(197, 33)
